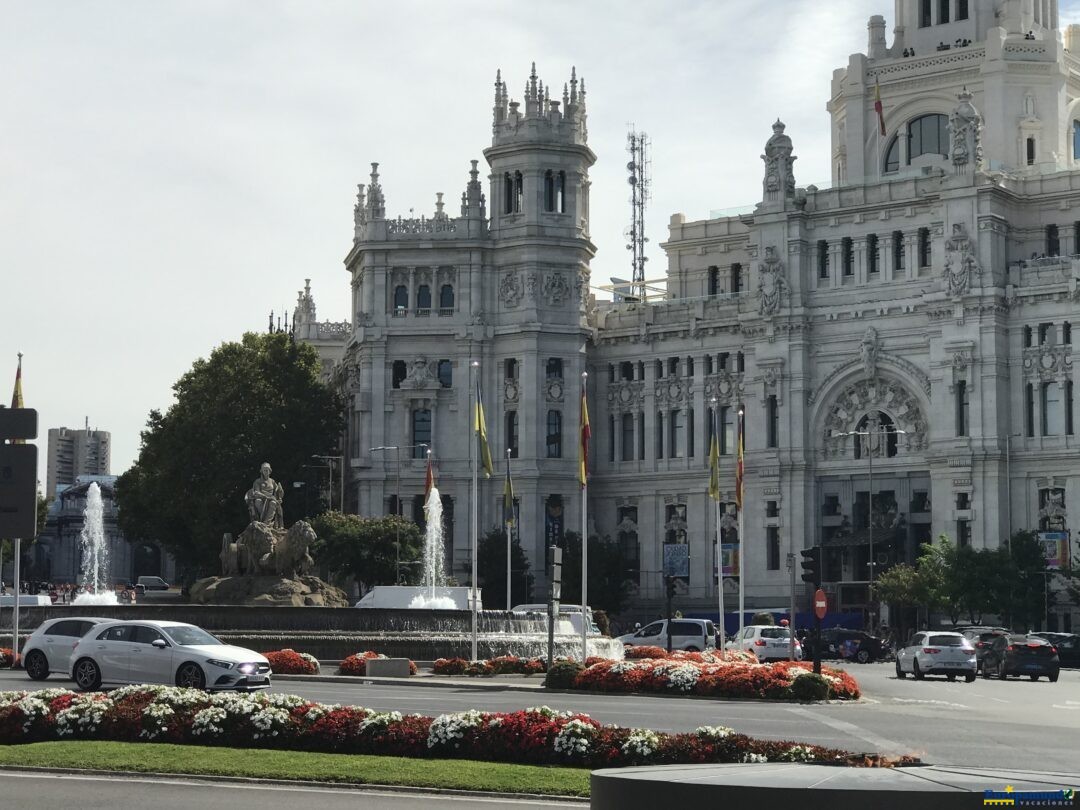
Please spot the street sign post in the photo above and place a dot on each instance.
(554, 595)
(821, 606)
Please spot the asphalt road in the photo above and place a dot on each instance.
(61, 792)
(989, 723)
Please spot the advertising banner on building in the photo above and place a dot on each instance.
(677, 560)
(1056, 548)
(730, 556)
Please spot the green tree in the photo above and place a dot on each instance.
(366, 547)
(1023, 585)
(491, 571)
(607, 573)
(903, 586)
(249, 402)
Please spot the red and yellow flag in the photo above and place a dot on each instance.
(16, 396)
(878, 108)
(739, 467)
(586, 434)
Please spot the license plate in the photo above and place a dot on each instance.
(1032, 666)
(256, 679)
(952, 663)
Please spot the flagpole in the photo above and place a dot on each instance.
(473, 519)
(509, 528)
(742, 524)
(584, 526)
(719, 546)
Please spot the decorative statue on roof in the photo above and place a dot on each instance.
(779, 165)
(965, 124)
(961, 266)
(771, 283)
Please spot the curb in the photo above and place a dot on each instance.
(251, 780)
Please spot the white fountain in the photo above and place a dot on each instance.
(95, 552)
(434, 595)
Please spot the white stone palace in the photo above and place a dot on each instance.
(926, 300)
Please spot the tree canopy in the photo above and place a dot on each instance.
(253, 401)
(364, 547)
(607, 573)
(491, 571)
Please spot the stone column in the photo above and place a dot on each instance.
(836, 263)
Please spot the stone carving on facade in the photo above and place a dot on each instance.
(961, 361)
(581, 285)
(510, 390)
(1053, 511)
(883, 359)
(419, 375)
(554, 390)
(871, 396)
(1048, 362)
(725, 386)
(772, 286)
(531, 282)
(556, 289)
(965, 124)
(670, 390)
(961, 267)
(779, 163)
(625, 395)
(869, 349)
(510, 290)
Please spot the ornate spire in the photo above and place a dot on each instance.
(573, 85)
(376, 208)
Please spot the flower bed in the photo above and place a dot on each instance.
(7, 657)
(263, 720)
(714, 676)
(501, 665)
(291, 662)
(357, 664)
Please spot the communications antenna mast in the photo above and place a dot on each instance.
(637, 144)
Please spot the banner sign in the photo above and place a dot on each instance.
(676, 560)
(1056, 548)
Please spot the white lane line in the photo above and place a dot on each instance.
(999, 700)
(1057, 706)
(882, 744)
(932, 702)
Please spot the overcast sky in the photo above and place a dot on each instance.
(171, 172)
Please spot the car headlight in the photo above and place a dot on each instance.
(223, 664)
(248, 669)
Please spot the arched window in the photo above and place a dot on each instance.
(560, 192)
(554, 434)
(549, 190)
(401, 297)
(512, 433)
(446, 296)
(423, 297)
(928, 135)
(892, 155)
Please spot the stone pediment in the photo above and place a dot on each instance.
(881, 360)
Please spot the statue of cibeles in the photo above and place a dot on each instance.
(264, 499)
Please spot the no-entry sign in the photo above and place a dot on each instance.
(820, 604)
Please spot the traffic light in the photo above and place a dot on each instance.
(555, 572)
(811, 566)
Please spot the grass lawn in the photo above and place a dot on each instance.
(455, 774)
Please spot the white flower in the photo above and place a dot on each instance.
(574, 739)
(206, 721)
(270, 721)
(748, 757)
(714, 732)
(281, 701)
(311, 659)
(642, 742)
(155, 720)
(377, 720)
(797, 753)
(449, 729)
(33, 708)
(683, 677)
(84, 715)
(548, 712)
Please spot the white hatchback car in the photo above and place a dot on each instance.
(169, 653)
(768, 642)
(48, 649)
(932, 652)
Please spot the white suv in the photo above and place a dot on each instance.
(767, 641)
(686, 634)
(48, 649)
(937, 653)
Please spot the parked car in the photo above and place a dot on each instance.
(1017, 654)
(840, 642)
(170, 653)
(937, 652)
(981, 638)
(48, 649)
(1068, 647)
(153, 583)
(686, 634)
(767, 642)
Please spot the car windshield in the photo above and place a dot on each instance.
(187, 635)
(948, 641)
(775, 632)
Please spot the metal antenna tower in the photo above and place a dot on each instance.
(637, 144)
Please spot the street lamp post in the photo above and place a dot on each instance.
(330, 466)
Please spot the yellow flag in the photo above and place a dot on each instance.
(480, 428)
(714, 465)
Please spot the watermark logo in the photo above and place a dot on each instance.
(1010, 797)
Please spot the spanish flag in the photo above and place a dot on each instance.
(739, 467)
(509, 518)
(878, 108)
(480, 428)
(429, 479)
(586, 434)
(714, 462)
(16, 396)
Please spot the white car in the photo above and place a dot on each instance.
(937, 653)
(48, 649)
(768, 642)
(694, 635)
(170, 653)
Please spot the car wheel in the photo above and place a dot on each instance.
(915, 669)
(900, 674)
(37, 665)
(87, 675)
(1034, 677)
(863, 656)
(969, 678)
(692, 649)
(190, 675)
(1052, 677)
(951, 676)
(1002, 674)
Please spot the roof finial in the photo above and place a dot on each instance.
(573, 85)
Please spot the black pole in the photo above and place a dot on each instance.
(669, 584)
(817, 638)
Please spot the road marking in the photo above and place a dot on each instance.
(999, 700)
(931, 702)
(1057, 706)
(881, 743)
